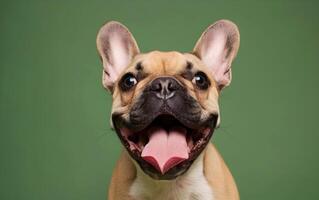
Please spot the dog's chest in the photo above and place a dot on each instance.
(190, 186)
(187, 190)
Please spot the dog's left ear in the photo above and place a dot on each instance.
(217, 47)
(116, 47)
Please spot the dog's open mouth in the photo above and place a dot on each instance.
(166, 143)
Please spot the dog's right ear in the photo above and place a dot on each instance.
(116, 47)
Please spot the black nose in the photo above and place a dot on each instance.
(164, 87)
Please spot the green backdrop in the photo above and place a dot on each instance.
(54, 114)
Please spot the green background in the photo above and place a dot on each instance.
(54, 114)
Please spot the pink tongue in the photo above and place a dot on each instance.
(165, 149)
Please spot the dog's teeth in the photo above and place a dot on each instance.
(206, 132)
(134, 146)
(190, 144)
(141, 145)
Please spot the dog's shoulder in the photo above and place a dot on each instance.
(218, 175)
(123, 177)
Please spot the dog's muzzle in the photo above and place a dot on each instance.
(165, 132)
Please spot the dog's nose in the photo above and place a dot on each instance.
(164, 87)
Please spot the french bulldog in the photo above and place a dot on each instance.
(164, 111)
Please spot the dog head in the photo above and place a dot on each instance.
(165, 104)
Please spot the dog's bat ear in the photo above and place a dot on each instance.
(116, 47)
(217, 47)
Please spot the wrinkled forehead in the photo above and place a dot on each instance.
(165, 63)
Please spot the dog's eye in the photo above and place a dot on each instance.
(201, 81)
(127, 81)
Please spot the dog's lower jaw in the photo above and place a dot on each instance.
(190, 185)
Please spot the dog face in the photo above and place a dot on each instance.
(165, 104)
